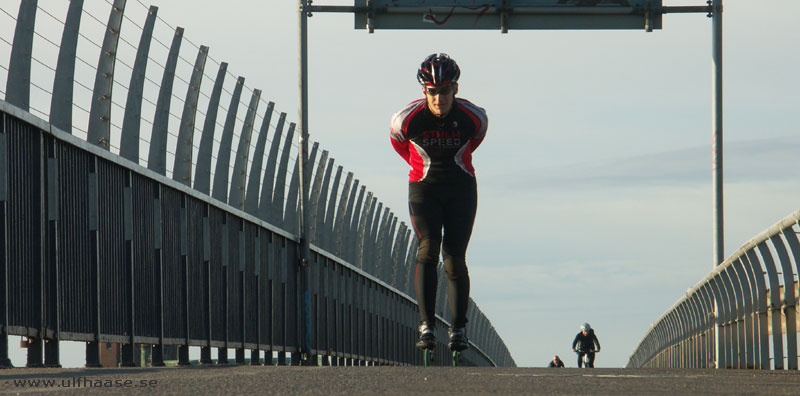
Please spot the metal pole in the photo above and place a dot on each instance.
(305, 320)
(716, 103)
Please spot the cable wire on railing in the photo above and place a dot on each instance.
(9, 15)
(151, 81)
(171, 27)
(184, 59)
(49, 14)
(44, 115)
(291, 164)
(113, 102)
(129, 67)
(173, 154)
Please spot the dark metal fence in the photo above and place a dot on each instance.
(94, 247)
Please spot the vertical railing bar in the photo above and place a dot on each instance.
(202, 172)
(129, 136)
(205, 351)
(18, 82)
(99, 130)
(236, 196)
(127, 349)
(93, 347)
(52, 345)
(183, 350)
(5, 361)
(220, 190)
(790, 300)
(158, 350)
(774, 304)
(327, 233)
(252, 192)
(63, 83)
(157, 156)
(182, 166)
(265, 210)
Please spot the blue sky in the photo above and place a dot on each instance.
(595, 195)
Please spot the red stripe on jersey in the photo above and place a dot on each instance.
(417, 163)
(473, 117)
(466, 156)
(410, 116)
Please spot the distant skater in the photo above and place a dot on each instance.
(556, 362)
(436, 136)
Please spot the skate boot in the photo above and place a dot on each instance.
(427, 340)
(458, 339)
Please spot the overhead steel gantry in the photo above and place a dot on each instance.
(504, 15)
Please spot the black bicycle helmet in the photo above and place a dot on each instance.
(438, 70)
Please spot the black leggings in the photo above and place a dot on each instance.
(450, 207)
(590, 364)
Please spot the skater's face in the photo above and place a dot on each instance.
(440, 100)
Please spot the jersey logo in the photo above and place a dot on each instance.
(441, 138)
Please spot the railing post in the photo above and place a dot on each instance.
(720, 315)
(790, 298)
(183, 350)
(205, 351)
(747, 314)
(240, 280)
(202, 171)
(182, 167)
(99, 132)
(5, 362)
(157, 155)
(756, 276)
(158, 350)
(53, 300)
(18, 82)
(255, 353)
(733, 319)
(93, 347)
(127, 350)
(774, 305)
(129, 136)
(64, 81)
(222, 352)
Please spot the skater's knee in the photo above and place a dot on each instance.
(455, 268)
(428, 251)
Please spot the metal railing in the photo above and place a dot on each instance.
(741, 315)
(96, 247)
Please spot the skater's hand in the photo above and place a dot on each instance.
(574, 350)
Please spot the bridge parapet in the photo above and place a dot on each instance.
(100, 243)
(743, 314)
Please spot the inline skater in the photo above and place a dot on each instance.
(436, 136)
(556, 362)
(587, 340)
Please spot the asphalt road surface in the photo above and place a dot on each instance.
(288, 380)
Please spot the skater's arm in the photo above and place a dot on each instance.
(398, 127)
(401, 148)
(479, 118)
(596, 342)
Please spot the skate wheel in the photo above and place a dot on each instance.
(456, 358)
(427, 357)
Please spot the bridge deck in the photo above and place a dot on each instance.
(201, 380)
